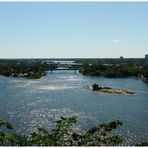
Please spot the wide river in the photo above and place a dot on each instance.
(29, 104)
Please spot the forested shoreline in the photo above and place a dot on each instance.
(24, 68)
(116, 71)
(109, 68)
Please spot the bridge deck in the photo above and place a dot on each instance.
(72, 69)
(67, 69)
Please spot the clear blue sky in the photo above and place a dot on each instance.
(66, 29)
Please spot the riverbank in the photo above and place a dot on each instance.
(22, 69)
(143, 79)
(29, 75)
(116, 71)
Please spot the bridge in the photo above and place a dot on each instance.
(72, 67)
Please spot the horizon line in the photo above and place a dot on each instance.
(73, 58)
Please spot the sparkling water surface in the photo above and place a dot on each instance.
(29, 104)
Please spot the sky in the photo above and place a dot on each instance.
(73, 29)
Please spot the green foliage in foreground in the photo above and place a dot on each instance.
(5, 138)
(63, 135)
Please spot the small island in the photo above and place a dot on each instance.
(109, 90)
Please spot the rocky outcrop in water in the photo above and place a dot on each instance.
(97, 87)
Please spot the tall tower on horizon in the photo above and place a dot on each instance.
(121, 58)
(146, 59)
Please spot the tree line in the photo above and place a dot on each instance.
(26, 69)
(115, 71)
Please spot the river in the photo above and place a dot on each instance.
(29, 104)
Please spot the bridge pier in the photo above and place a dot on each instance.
(75, 71)
(51, 71)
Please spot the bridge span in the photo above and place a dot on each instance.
(65, 66)
(69, 69)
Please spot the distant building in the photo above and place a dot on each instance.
(146, 59)
(121, 57)
(146, 56)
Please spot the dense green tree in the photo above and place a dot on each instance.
(5, 138)
(16, 69)
(145, 72)
(115, 70)
(64, 135)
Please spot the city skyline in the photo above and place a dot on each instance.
(73, 29)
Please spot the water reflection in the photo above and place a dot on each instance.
(32, 103)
